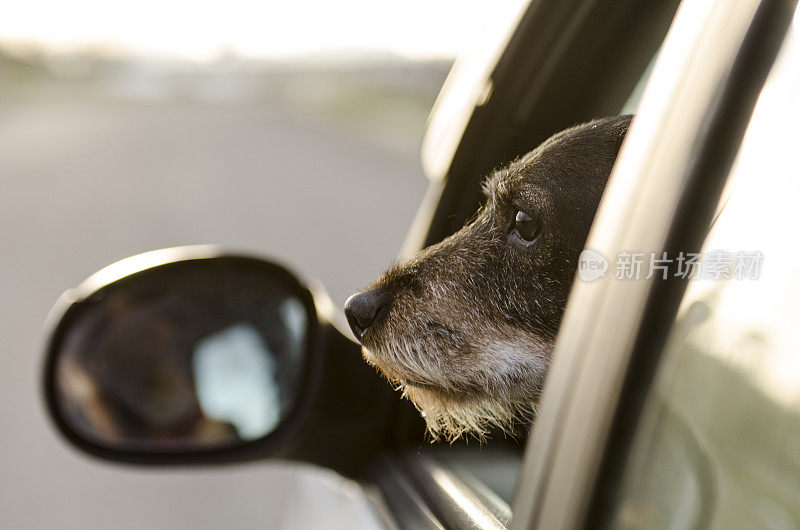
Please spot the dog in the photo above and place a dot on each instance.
(466, 328)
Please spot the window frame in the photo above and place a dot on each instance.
(662, 197)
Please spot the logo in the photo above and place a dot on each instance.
(591, 265)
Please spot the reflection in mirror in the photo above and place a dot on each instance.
(193, 355)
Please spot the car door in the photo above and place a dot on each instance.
(672, 402)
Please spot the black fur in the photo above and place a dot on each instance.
(486, 283)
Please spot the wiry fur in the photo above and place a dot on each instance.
(469, 325)
(467, 397)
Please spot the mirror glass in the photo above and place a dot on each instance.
(192, 355)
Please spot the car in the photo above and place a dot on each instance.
(672, 399)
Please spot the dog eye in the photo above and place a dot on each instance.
(527, 227)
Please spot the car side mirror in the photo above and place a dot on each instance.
(179, 353)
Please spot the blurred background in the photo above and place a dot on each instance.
(288, 128)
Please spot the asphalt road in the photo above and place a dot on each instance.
(83, 185)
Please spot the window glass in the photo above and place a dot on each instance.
(718, 445)
(494, 466)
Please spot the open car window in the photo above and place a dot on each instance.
(716, 446)
(484, 475)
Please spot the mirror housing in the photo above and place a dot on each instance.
(150, 338)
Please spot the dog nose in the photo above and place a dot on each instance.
(364, 309)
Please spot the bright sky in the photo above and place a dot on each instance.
(201, 30)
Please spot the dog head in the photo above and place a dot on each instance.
(466, 328)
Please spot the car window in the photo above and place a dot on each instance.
(718, 443)
(492, 468)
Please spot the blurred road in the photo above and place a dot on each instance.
(83, 185)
